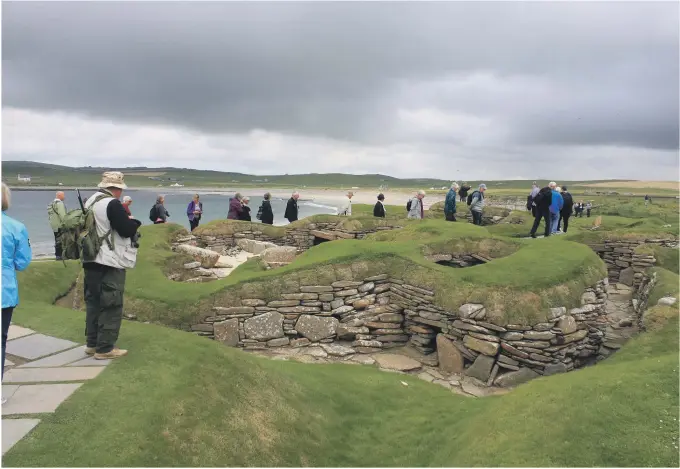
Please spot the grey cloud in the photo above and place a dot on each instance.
(558, 73)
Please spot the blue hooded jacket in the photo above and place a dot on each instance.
(557, 202)
(450, 202)
(16, 255)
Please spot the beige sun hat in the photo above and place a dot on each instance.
(112, 179)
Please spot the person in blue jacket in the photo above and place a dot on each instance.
(555, 207)
(16, 255)
(450, 203)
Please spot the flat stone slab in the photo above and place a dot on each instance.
(37, 345)
(45, 375)
(90, 361)
(8, 390)
(60, 359)
(17, 331)
(14, 430)
(396, 362)
(8, 362)
(38, 398)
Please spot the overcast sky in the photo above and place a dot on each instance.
(461, 90)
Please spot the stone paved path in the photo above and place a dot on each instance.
(41, 372)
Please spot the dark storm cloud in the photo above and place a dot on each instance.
(557, 73)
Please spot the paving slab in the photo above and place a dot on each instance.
(45, 375)
(60, 359)
(8, 390)
(38, 398)
(37, 345)
(90, 361)
(17, 331)
(14, 430)
(8, 362)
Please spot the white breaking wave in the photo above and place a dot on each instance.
(326, 207)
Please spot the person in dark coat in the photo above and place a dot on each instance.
(161, 213)
(463, 192)
(379, 209)
(566, 211)
(292, 208)
(542, 203)
(245, 210)
(266, 212)
(235, 207)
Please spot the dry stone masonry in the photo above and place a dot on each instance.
(369, 317)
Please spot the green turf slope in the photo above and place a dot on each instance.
(181, 400)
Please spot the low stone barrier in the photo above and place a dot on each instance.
(379, 313)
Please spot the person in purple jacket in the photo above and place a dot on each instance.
(194, 212)
(235, 207)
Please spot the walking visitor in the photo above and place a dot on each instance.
(291, 213)
(56, 212)
(415, 206)
(265, 212)
(16, 255)
(194, 212)
(346, 208)
(450, 203)
(379, 208)
(530, 198)
(235, 207)
(477, 204)
(542, 203)
(158, 212)
(555, 207)
(105, 276)
(589, 207)
(245, 209)
(566, 211)
(463, 192)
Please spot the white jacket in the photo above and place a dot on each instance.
(346, 209)
(123, 255)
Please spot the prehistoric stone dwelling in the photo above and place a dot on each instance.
(346, 311)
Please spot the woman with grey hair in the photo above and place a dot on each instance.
(127, 201)
(415, 207)
(16, 255)
(265, 213)
(245, 213)
(235, 207)
(158, 212)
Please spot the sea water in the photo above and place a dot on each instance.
(30, 208)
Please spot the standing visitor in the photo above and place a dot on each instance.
(542, 203)
(477, 204)
(589, 207)
(16, 255)
(416, 209)
(379, 209)
(56, 212)
(158, 213)
(567, 209)
(235, 207)
(555, 207)
(265, 212)
(346, 208)
(530, 199)
(450, 203)
(105, 276)
(245, 209)
(646, 200)
(194, 212)
(127, 201)
(292, 208)
(463, 192)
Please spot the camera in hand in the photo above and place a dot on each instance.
(135, 239)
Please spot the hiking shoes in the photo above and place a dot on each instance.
(115, 353)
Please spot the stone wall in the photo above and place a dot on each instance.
(623, 264)
(302, 238)
(379, 313)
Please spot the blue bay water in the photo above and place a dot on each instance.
(30, 208)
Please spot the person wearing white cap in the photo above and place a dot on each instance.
(105, 275)
(477, 204)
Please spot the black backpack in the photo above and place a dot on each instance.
(408, 205)
(153, 213)
(470, 197)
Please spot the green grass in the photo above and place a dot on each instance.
(400, 253)
(179, 400)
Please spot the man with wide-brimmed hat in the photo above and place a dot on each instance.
(105, 276)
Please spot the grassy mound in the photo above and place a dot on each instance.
(179, 400)
(401, 253)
